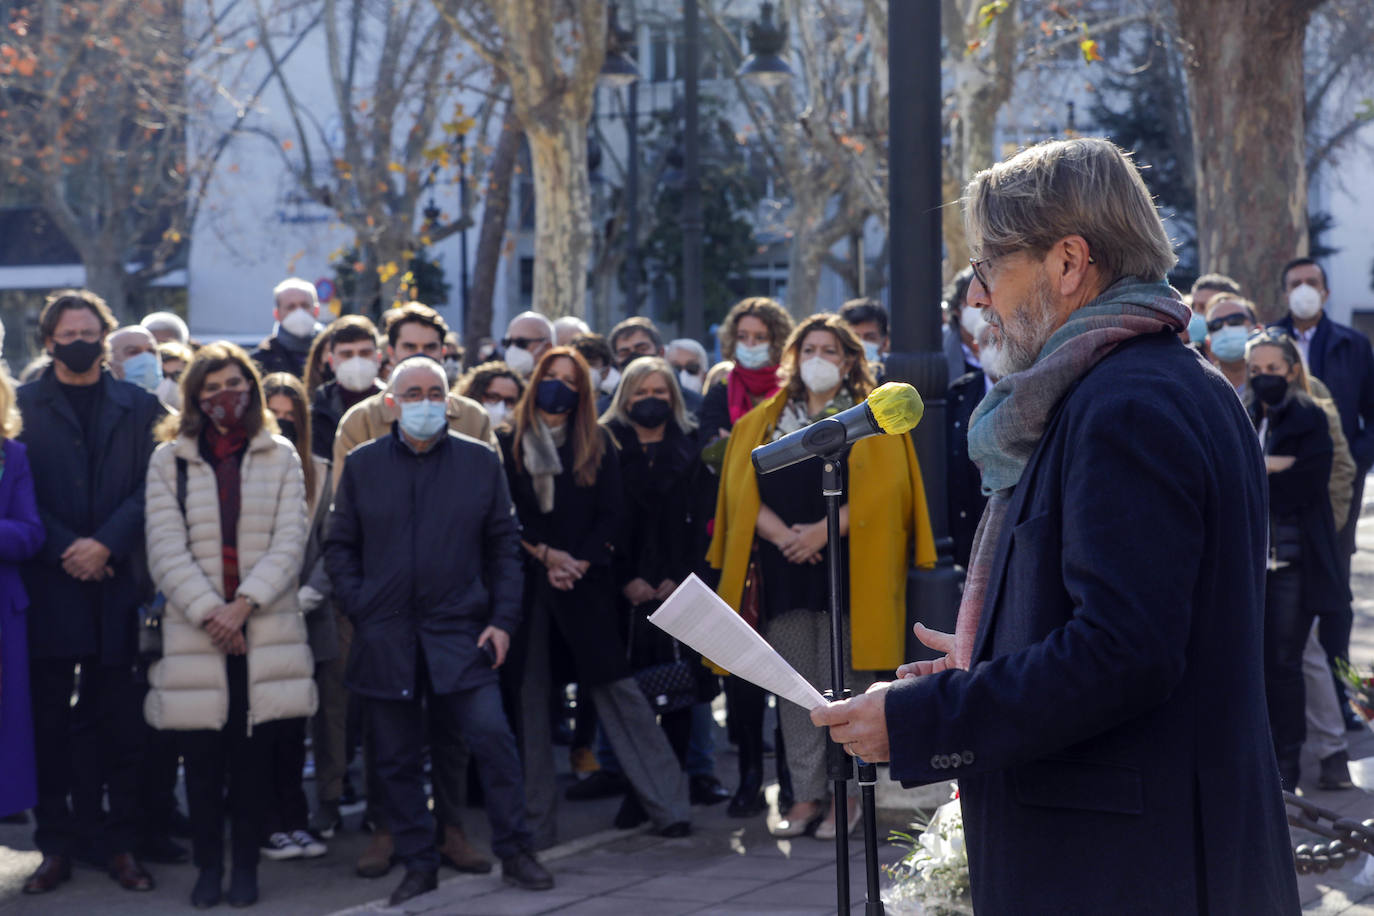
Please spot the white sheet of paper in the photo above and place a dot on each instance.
(697, 616)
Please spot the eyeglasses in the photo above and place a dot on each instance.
(523, 343)
(1234, 320)
(977, 265)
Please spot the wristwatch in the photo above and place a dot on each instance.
(252, 604)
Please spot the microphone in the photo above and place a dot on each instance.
(892, 409)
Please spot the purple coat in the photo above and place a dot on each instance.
(21, 534)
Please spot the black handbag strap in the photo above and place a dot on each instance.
(181, 486)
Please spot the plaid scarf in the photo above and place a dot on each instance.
(1009, 423)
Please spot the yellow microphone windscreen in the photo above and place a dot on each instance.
(897, 407)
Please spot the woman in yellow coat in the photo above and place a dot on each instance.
(885, 526)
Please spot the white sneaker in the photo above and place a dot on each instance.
(310, 847)
(281, 846)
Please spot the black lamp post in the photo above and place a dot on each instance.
(915, 245)
(619, 72)
(693, 319)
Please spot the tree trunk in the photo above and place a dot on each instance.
(562, 214)
(106, 277)
(1245, 95)
(492, 235)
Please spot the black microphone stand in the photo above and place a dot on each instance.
(838, 765)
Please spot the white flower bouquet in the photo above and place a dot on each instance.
(932, 878)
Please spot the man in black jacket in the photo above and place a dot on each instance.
(295, 306)
(89, 438)
(423, 551)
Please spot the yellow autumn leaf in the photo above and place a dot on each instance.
(988, 12)
(395, 167)
(386, 271)
(1090, 51)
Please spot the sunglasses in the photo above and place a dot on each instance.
(1230, 321)
(522, 342)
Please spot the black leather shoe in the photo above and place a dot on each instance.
(128, 874)
(707, 790)
(163, 851)
(1335, 773)
(748, 800)
(524, 870)
(243, 887)
(207, 891)
(600, 784)
(631, 813)
(675, 830)
(414, 884)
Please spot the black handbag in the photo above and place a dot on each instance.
(669, 684)
(150, 612)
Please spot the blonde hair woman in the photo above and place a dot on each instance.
(226, 534)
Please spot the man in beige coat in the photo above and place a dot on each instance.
(414, 329)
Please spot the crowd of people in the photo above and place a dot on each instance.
(207, 555)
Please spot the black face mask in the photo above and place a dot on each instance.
(288, 429)
(79, 355)
(650, 413)
(1271, 389)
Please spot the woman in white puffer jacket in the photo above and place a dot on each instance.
(235, 658)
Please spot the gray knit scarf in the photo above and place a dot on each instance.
(539, 453)
(1009, 423)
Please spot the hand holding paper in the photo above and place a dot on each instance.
(697, 616)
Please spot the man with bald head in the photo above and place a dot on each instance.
(134, 358)
(528, 335)
(423, 552)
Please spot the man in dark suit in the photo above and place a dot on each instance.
(1102, 702)
(89, 438)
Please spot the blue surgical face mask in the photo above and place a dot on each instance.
(872, 352)
(752, 356)
(144, 370)
(423, 419)
(1197, 328)
(1228, 344)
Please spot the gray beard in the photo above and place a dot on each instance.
(1015, 346)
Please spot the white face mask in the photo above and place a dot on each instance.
(498, 411)
(972, 321)
(610, 382)
(453, 369)
(688, 381)
(752, 356)
(299, 322)
(356, 373)
(520, 360)
(1304, 302)
(819, 374)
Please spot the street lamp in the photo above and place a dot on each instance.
(619, 69)
(765, 65)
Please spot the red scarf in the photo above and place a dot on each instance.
(226, 449)
(746, 387)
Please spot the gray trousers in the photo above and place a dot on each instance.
(802, 638)
(1325, 725)
(629, 724)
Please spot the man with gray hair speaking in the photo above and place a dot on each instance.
(1102, 700)
(423, 552)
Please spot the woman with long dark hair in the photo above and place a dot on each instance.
(782, 515)
(226, 532)
(565, 483)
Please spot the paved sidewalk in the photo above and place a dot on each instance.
(725, 866)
